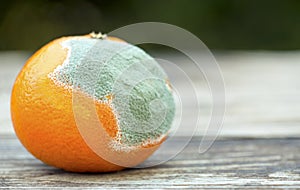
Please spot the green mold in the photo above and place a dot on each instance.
(142, 102)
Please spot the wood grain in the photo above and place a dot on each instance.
(259, 145)
(230, 163)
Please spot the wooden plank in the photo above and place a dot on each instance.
(230, 163)
(262, 92)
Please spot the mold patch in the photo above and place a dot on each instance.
(125, 76)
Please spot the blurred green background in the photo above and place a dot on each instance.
(221, 24)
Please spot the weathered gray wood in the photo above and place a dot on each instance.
(263, 100)
(230, 163)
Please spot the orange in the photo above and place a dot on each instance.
(42, 107)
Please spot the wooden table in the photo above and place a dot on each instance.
(258, 147)
(230, 163)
